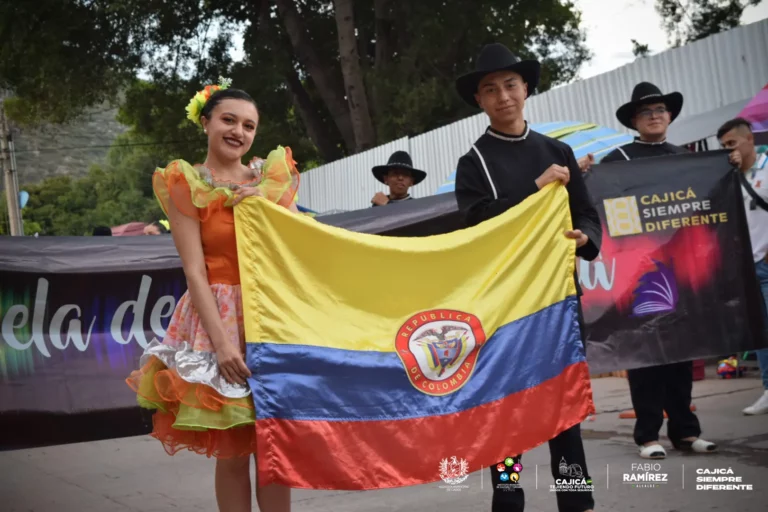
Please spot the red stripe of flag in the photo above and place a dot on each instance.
(348, 455)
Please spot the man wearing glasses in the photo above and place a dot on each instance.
(668, 387)
(649, 113)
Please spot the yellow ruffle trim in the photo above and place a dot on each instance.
(194, 406)
(182, 184)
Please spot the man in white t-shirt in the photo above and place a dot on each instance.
(737, 136)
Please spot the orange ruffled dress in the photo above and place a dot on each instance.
(196, 408)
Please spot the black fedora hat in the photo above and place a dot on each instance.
(645, 93)
(399, 160)
(497, 57)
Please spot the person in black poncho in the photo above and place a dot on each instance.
(506, 165)
(650, 113)
(666, 387)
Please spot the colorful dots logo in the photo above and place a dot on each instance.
(510, 470)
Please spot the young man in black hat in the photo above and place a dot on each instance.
(399, 175)
(666, 387)
(506, 165)
(649, 113)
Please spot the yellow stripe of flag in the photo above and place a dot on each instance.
(305, 282)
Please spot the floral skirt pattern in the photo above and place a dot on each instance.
(196, 408)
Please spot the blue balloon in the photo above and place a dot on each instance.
(23, 198)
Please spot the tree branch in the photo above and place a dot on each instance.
(322, 74)
(312, 121)
(385, 24)
(357, 97)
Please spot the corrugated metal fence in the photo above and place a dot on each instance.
(346, 184)
(713, 73)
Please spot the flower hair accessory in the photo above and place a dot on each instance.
(196, 104)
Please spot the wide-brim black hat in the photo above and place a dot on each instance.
(645, 93)
(399, 160)
(497, 57)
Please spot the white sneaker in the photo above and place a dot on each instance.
(654, 451)
(759, 407)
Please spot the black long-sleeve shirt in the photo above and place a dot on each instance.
(640, 149)
(514, 163)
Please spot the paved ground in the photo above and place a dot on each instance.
(134, 474)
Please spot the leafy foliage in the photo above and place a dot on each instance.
(686, 21)
(116, 193)
(59, 57)
(640, 50)
(64, 55)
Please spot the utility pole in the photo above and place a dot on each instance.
(8, 166)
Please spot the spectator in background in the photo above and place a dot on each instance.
(155, 228)
(102, 231)
(399, 175)
(737, 136)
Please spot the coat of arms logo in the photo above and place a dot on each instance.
(439, 349)
(453, 470)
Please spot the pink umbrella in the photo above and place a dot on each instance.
(756, 112)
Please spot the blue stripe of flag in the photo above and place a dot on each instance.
(315, 383)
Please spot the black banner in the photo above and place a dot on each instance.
(675, 281)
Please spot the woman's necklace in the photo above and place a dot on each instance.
(209, 176)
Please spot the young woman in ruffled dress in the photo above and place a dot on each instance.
(195, 379)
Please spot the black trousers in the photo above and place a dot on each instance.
(568, 446)
(658, 389)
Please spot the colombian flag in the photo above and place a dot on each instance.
(377, 359)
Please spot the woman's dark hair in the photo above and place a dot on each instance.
(159, 226)
(218, 96)
(102, 231)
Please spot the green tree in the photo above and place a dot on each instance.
(118, 192)
(328, 83)
(411, 52)
(59, 57)
(406, 54)
(30, 227)
(686, 21)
